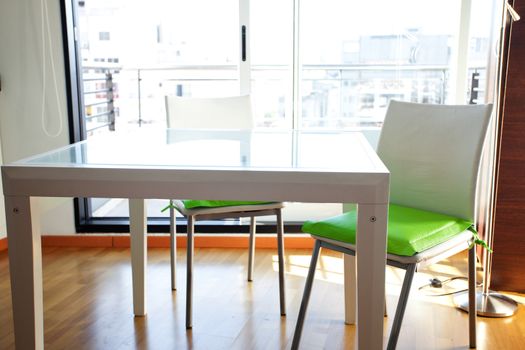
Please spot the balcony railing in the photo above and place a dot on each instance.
(332, 96)
(99, 94)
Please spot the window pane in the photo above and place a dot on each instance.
(271, 46)
(136, 52)
(178, 47)
(482, 59)
(356, 56)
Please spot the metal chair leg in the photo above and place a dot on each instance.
(306, 296)
(251, 251)
(189, 273)
(472, 309)
(280, 253)
(173, 248)
(401, 307)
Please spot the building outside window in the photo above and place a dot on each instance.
(103, 36)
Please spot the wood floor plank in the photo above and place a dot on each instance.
(88, 304)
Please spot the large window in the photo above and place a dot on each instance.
(308, 64)
(358, 55)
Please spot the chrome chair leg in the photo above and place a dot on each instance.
(472, 309)
(173, 247)
(306, 296)
(280, 253)
(189, 273)
(251, 249)
(401, 307)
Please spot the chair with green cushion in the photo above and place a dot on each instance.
(433, 153)
(218, 113)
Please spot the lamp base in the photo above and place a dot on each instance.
(489, 304)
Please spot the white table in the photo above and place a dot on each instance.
(319, 167)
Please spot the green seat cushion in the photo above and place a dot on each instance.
(190, 203)
(410, 230)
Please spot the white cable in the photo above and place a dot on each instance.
(45, 28)
(42, 31)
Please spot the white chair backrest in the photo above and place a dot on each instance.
(209, 113)
(433, 153)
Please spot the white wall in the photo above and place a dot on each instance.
(23, 131)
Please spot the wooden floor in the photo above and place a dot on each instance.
(88, 304)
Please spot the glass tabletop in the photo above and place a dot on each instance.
(224, 149)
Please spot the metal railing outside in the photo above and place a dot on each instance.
(99, 95)
(336, 96)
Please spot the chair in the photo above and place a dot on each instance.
(433, 153)
(217, 113)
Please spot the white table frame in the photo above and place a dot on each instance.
(23, 182)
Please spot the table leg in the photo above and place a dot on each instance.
(350, 288)
(25, 265)
(350, 279)
(370, 269)
(350, 284)
(139, 253)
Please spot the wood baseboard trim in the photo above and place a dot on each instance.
(3, 244)
(94, 241)
(162, 241)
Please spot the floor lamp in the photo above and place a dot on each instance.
(490, 303)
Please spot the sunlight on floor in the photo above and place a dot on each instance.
(330, 269)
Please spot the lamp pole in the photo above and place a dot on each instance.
(490, 303)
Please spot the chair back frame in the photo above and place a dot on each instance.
(441, 179)
(209, 113)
